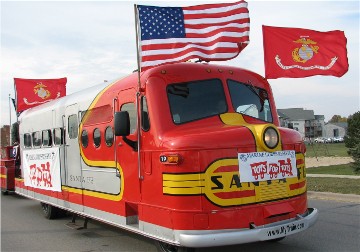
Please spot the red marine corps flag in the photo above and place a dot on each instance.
(207, 32)
(296, 53)
(33, 92)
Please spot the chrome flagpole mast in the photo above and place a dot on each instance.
(138, 92)
(137, 44)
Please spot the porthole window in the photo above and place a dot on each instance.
(109, 136)
(84, 138)
(97, 137)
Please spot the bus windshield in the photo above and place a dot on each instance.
(196, 100)
(249, 100)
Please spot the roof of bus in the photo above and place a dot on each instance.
(186, 71)
(180, 67)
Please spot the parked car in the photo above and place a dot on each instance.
(319, 140)
(338, 139)
(328, 140)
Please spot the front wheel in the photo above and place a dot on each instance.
(165, 247)
(50, 212)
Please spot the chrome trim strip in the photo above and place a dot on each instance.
(196, 239)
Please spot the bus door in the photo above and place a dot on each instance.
(127, 157)
(72, 158)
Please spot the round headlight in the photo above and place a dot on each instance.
(271, 137)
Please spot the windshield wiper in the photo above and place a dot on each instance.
(253, 89)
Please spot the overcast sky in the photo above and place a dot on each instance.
(92, 41)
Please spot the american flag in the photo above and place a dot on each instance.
(207, 32)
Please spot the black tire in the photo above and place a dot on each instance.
(165, 247)
(5, 192)
(50, 212)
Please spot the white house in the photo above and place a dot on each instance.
(335, 129)
(304, 121)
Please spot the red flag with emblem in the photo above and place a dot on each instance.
(33, 92)
(296, 52)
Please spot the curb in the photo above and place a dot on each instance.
(334, 196)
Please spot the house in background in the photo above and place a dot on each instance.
(5, 135)
(304, 121)
(336, 129)
(5, 139)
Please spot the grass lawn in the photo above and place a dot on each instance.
(335, 185)
(344, 169)
(326, 150)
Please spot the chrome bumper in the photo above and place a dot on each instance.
(196, 239)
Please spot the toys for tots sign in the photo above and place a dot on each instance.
(42, 168)
(261, 166)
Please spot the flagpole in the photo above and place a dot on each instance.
(137, 44)
(10, 118)
(138, 93)
(15, 103)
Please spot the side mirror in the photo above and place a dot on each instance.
(122, 123)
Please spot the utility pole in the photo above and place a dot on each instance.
(10, 119)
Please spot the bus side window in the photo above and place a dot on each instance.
(27, 140)
(130, 107)
(37, 139)
(73, 126)
(46, 135)
(58, 136)
(145, 122)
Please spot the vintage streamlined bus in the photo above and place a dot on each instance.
(190, 154)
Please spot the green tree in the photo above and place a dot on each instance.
(352, 139)
(15, 133)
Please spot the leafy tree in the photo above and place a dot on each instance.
(337, 118)
(15, 133)
(352, 139)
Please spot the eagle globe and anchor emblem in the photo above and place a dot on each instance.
(307, 50)
(40, 90)
(43, 93)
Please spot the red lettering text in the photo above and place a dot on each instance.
(40, 175)
(285, 167)
(273, 170)
(259, 169)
